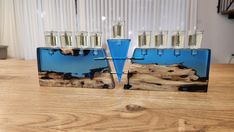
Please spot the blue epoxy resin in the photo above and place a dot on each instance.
(170, 70)
(119, 51)
(199, 61)
(75, 67)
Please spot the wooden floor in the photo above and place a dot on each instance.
(24, 106)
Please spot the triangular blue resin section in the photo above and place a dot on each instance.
(119, 51)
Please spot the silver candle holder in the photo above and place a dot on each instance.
(195, 39)
(160, 39)
(96, 39)
(66, 39)
(118, 29)
(178, 39)
(51, 38)
(144, 38)
(82, 39)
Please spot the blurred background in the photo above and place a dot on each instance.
(23, 22)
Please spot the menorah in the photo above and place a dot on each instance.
(155, 68)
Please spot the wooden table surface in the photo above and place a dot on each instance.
(25, 106)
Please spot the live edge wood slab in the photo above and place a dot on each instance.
(164, 78)
(25, 106)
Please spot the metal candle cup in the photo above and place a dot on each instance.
(160, 39)
(178, 39)
(195, 39)
(66, 39)
(96, 40)
(144, 39)
(118, 30)
(51, 38)
(81, 39)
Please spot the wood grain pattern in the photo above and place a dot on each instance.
(164, 78)
(25, 106)
(101, 80)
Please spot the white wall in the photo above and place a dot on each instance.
(218, 31)
(138, 15)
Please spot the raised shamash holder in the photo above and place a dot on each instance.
(118, 47)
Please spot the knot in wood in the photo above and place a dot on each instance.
(134, 108)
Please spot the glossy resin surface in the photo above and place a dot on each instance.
(169, 69)
(74, 67)
(119, 51)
